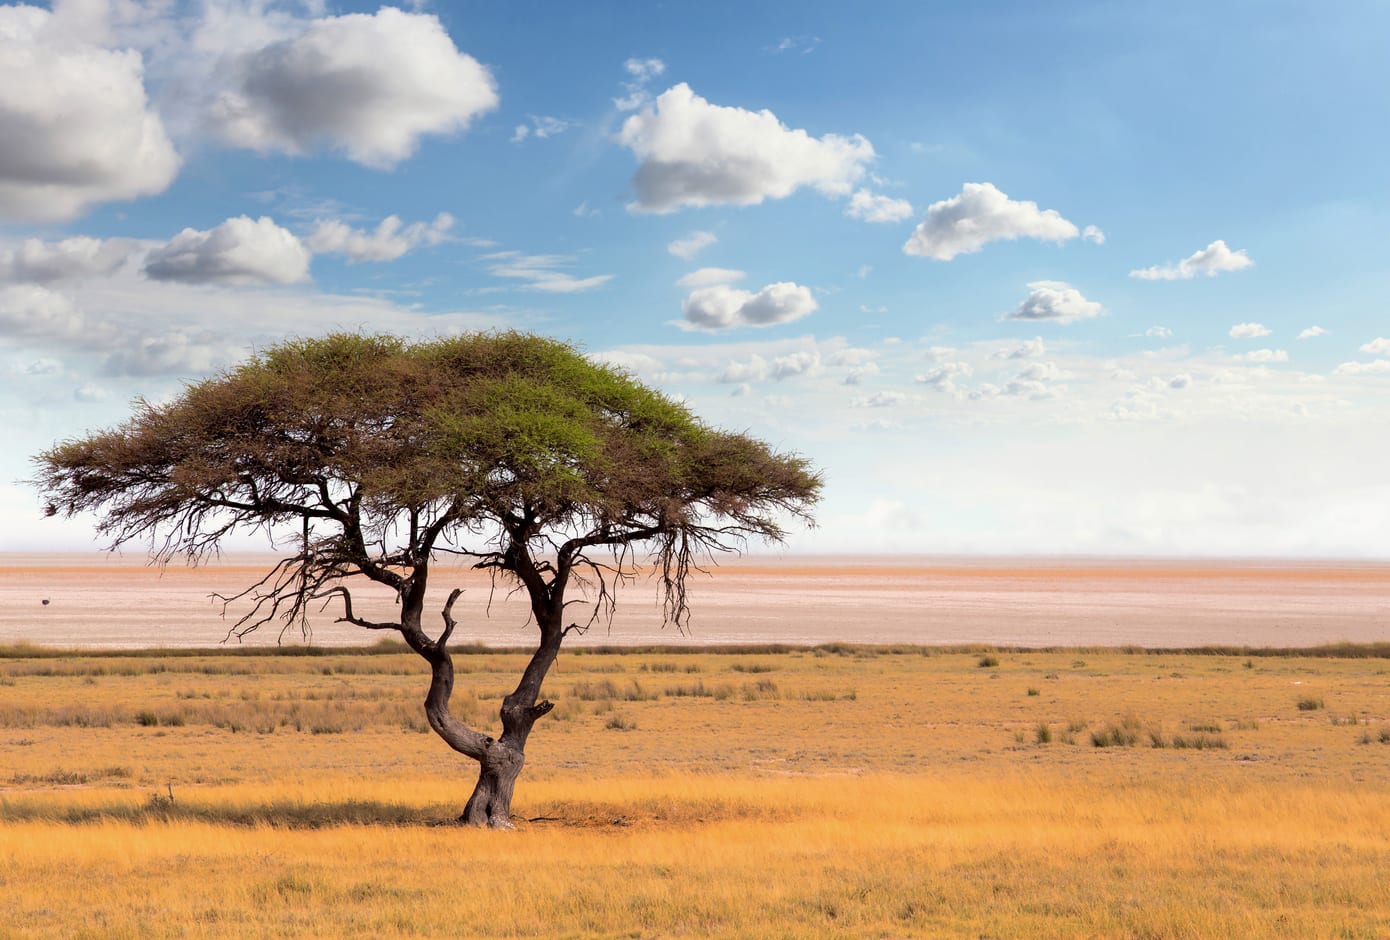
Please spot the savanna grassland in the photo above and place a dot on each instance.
(836, 791)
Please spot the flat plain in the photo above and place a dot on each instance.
(835, 791)
(102, 600)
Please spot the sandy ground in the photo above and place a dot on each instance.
(100, 600)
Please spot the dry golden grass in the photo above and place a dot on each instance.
(841, 792)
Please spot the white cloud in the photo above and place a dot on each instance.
(871, 207)
(1055, 301)
(965, 223)
(858, 374)
(1375, 367)
(944, 376)
(802, 44)
(39, 262)
(390, 240)
(28, 310)
(1211, 261)
(881, 400)
(1377, 346)
(642, 72)
(1249, 331)
(174, 352)
(90, 392)
(541, 127)
(1093, 235)
(1158, 332)
(54, 320)
(1180, 381)
(1264, 355)
(1028, 349)
(584, 211)
(1031, 389)
(370, 85)
(1044, 372)
(804, 362)
(542, 272)
(720, 307)
(755, 369)
(75, 121)
(238, 252)
(704, 277)
(1312, 332)
(852, 356)
(693, 153)
(692, 244)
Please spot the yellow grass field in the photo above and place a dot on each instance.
(839, 791)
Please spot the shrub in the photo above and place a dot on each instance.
(1043, 734)
(1124, 734)
(619, 723)
(1309, 703)
(989, 662)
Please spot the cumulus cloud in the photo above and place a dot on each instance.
(28, 310)
(48, 318)
(369, 85)
(75, 120)
(1312, 332)
(1264, 355)
(40, 262)
(388, 241)
(1055, 301)
(980, 214)
(858, 374)
(1158, 332)
(704, 277)
(173, 353)
(641, 71)
(1375, 367)
(721, 307)
(1377, 346)
(852, 356)
(871, 207)
(1028, 349)
(803, 362)
(239, 252)
(1093, 235)
(943, 377)
(757, 368)
(692, 244)
(1044, 372)
(542, 272)
(1249, 331)
(881, 400)
(1211, 261)
(693, 153)
(753, 369)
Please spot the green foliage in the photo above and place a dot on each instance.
(374, 449)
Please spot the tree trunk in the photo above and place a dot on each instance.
(491, 802)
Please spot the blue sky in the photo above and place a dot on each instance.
(1069, 278)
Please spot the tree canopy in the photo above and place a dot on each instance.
(375, 454)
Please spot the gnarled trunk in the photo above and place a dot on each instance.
(491, 802)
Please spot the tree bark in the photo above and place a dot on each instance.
(491, 802)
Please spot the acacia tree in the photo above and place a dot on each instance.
(512, 450)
